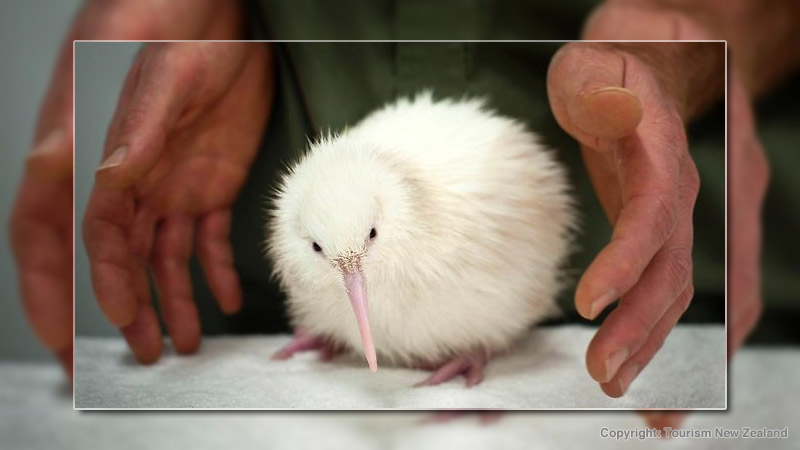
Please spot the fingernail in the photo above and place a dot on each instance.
(611, 89)
(115, 159)
(600, 302)
(47, 145)
(626, 377)
(613, 362)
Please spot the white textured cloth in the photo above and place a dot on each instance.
(545, 370)
(36, 413)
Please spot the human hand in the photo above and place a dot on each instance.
(41, 225)
(41, 233)
(626, 104)
(763, 47)
(749, 175)
(51, 157)
(186, 129)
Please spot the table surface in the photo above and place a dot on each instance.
(545, 370)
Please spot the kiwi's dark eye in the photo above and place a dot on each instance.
(373, 233)
(316, 247)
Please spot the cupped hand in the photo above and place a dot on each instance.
(617, 102)
(179, 147)
(754, 67)
(41, 224)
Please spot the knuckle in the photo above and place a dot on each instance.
(692, 178)
(674, 137)
(137, 127)
(135, 116)
(171, 55)
(167, 256)
(165, 262)
(659, 211)
(665, 219)
(182, 62)
(629, 272)
(176, 67)
(625, 267)
(679, 270)
(92, 236)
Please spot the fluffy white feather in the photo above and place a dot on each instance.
(473, 218)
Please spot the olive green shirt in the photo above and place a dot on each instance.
(321, 86)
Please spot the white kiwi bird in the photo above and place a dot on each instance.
(432, 234)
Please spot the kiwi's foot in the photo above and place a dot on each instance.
(303, 342)
(471, 365)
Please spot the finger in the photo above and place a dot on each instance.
(588, 96)
(650, 175)
(43, 251)
(630, 369)
(105, 225)
(119, 278)
(149, 105)
(662, 285)
(143, 335)
(170, 261)
(628, 327)
(216, 257)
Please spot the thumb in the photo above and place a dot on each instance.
(587, 93)
(151, 100)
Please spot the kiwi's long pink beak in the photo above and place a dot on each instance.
(357, 291)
